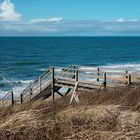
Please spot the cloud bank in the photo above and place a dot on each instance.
(12, 25)
(68, 28)
(40, 20)
(7, 11)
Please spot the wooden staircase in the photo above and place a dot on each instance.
(55, 78)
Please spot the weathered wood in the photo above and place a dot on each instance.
(105, 81)
(31, 93)
(116, 78)
(63, 85)
(130, 79)
(67, 77)
(91, 76)
(64, 78)
(126, 77)
(74, 67)
(21, 98)
(39, 84)
(1, 103)
(12, 98)
(74, 95)
(53, 82)
(76, 75)
(65, 72)
(98, 74)
(70, 84)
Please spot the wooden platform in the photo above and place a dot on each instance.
(56, 78)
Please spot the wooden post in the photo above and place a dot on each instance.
(39, 84)
(76, 76)
(129, 79)
(53, 83)
(126, 77)
(98, 74)
(1, 103)
(12, 98)
(21, 98)
(105, 80)
(74, 67)
(30, 93)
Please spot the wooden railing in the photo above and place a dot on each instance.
(72, 74)
(86, 75)
(39, 85)
(36, 87)
(7, 100)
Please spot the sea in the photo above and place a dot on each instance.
(22, 59)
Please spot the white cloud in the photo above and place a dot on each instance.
(80, 27)
(134, 20)
(7, 11)
(120, 20)
(54, 19)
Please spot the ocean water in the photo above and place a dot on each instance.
(22, 59)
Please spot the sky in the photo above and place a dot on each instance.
(70, 18)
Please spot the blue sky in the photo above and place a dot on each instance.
(69, 17)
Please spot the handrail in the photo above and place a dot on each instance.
(6, 95)
(69, 74)
(94, 71)
(5, 99)
(35, 87)
(36, 80)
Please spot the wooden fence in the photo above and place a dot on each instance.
(55, 78)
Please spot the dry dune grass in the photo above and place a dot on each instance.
(106, 115)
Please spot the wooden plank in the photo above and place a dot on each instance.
(81, 83)
(98, 74)
(116, 78)
(64, 78)
(63, 85)
(94, 71)
(72, 82)
(90, 82)
(91, 76)
(105, 80)
(65, 73)
(74, 95)
(12, 98)
(48, 71)
(76, 75)
(53, 82)
(46, 75)
(129, 80)
(40, 84)
(21, 98)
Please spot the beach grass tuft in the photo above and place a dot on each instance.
(113, 114)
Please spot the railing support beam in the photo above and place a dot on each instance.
(30, 93)
(129, 81)
(39, 84)
(12, 98)
(105, 81)
(76, 76)
(53, 82)
(127, 77)
(98, 74)
(21, 98)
